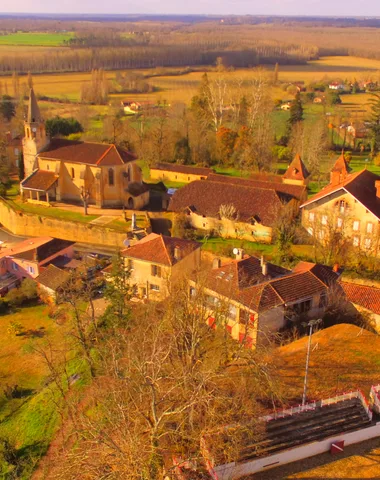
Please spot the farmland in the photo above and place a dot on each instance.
(182, 88)
(35, 39)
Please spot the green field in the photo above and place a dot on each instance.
(36, 39)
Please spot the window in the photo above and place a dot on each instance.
(14, 266)
(369, 227)
(31, 270)
(193, 292)
(155, 288)
(339, 222)
(342, 206)
(47, 167)
(311, 216)
(156, 271)
(356, 241)
(16, 151)
(130, 264)
(302, 307)
(111, 179)
(321, 234)
(367, 243)
(210, 300)
(72, 173)
(324, 219)
(310, 230)
(356, 225)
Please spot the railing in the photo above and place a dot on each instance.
(375, 397)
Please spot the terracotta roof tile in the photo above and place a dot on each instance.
(297, 169)
(205, 197)
(361, 185)
(53, 277)
(297, 286)
(40, 180)
(365, 296)
(297, 191)
(160, 249)
(87, 153)
(190, 169)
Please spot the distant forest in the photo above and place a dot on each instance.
(114, 42)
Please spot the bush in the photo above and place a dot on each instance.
(24, 294)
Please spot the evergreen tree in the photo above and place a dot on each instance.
(375, 123)
(21, 167)
(275, 74)
(296, 111)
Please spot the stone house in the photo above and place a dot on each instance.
(179, 173)
(253, 299)
(350, 204)
(156, 261)
(238, 207)
(64, 170)
(28, 258)
(365, 298)
(51, 281)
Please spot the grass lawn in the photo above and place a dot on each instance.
(51, 211)
(35, 39)
(30, 422)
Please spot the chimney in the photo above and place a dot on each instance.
(336, 268)
(239, 255)
(377, 186)
(262, 260)
(133, 221)
(264, 269)
(216, 263)
(177, 253)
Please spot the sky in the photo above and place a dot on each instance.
(217, 7)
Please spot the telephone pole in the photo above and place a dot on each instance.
(310, 324)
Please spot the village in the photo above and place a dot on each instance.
(256, 301)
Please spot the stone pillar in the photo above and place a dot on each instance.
(134, 226)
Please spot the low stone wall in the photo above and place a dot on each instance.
(32, 225)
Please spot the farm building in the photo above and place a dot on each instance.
(179, 173)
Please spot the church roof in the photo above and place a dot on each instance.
(40, 180)
(34, 114)
(88, 153)
(297, 169)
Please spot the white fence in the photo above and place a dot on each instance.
(375, 398)
(233, 471)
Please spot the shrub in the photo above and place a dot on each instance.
(15, 328)
(24, 294)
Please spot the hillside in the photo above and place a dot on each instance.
(344, 358)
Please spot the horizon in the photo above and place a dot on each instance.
(278, 8)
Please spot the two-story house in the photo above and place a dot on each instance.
(28, 258)
(350, 204)
(158, 260)
(252, 299)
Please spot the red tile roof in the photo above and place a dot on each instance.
(87, 153)
(360, 185)
(365, 296)
(40, 180)
(341, 165)
(160, 249)
(297, 191)
(297, 170)
(53, 277)
(205, 197)
(190, 169)
(39, 248)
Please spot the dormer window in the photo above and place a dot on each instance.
(72, 173)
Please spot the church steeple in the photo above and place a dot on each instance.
(34, 114)
(35, 135)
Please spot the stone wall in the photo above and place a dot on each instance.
(32, 225)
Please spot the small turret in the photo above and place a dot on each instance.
(340, 170)
(296, 173)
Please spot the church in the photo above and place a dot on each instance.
(60, 170)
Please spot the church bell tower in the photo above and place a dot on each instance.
(35, 138)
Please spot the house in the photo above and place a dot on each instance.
(365, 298)
(51, 281)
(357, 130)
(351, 202)
(179, 173)
(319, 100)
(252, 298)
(237, 207)
(285, 106)
(68, 171)
(156, 261)
(27, 259)
(336, 86)
(131, 107)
